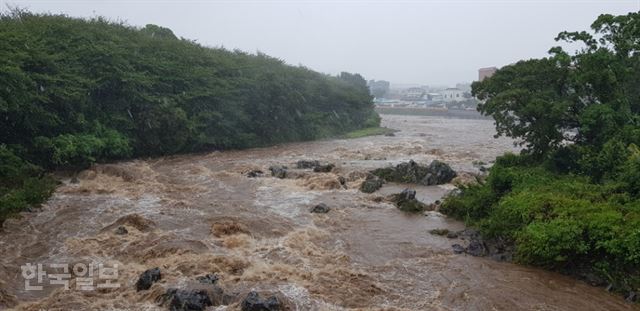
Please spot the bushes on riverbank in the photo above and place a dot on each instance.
(557, 221)
(78, 91)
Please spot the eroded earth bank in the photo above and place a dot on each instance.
(197, 215)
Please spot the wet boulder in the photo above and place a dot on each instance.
(435, 173)
(457, 248)
(121, 230)
(476, 248)
(147, 279)
(208, 279)
(439, 231)
(371, 184)
(320, 208)
(278, 171)
(188, 299)
(255, 173)
(438, 173)
(406, 201)
(306, 164)
(324, 168)
(253, 302)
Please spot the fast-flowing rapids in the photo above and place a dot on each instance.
(196, 214)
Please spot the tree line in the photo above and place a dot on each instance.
(76, 91)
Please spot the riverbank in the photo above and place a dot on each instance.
(443, 113)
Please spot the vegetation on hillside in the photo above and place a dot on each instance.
(76, 91)
(571, 200)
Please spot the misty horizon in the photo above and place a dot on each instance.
(433, 43)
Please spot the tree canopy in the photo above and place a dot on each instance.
(588, 98)
(571, 200)
(76, 91)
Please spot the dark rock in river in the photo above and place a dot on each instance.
(121, 230)
(324, 168)
(253, 302)
(438, 173)
(307, 164)
(406, 201)
(188, 299)
(208, 279)
(320, 208)
(255, 173)
(147, 278)
(476, 248)
(278, 171)
(371, 184)
(435, 173)
(439, 231)
(457, 248)
(452, 235)
(497, 248)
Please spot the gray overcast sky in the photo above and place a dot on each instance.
(423, 42)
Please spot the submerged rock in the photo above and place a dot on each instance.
(320, 208)
(208, 279)
(435, 173)
(406, 201)
(371, 184)
(147, 279)
(476, 248)
(439, 231)
(255, 173)
(304, 164)
(253, 302)
(278, 171)
(188, 300)
(324, 168)
(457, 248)
(121, 230)
(438, 173)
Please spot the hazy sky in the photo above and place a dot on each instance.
(423, 42)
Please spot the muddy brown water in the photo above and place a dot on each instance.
(197, 214)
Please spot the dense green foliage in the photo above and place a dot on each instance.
(77, 91)
(22, 184)
(571, 201)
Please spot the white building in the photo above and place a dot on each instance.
(452, 95)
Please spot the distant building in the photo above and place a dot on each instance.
(487, 72)
(452, 95)
(434, 97)
(413, 93)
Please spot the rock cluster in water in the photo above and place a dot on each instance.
(436, 173)
(371, 184)
(406, 201)
(278, 171)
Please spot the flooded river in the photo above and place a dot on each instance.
(197, 214)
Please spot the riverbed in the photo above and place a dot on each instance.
(192, 215)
